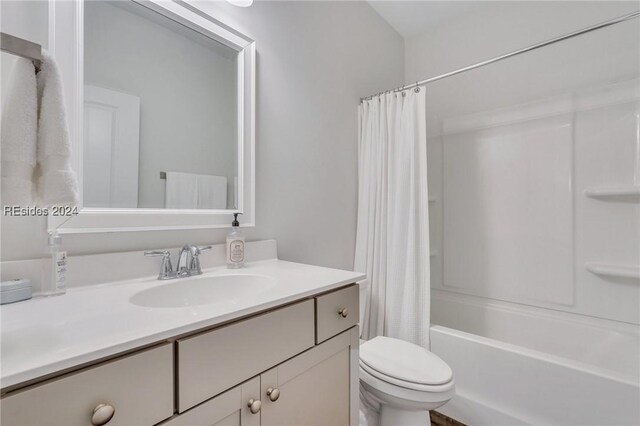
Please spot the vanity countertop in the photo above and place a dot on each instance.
(46, 335)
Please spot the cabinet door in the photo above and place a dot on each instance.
(228, 409)
(312, 388)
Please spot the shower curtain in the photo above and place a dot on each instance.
(392, 240)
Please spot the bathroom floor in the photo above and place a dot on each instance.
(438, 419)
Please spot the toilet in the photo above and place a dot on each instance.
(405, 379)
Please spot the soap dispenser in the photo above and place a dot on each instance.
(55, 266)
(235, 245)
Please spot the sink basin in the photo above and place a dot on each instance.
(219, 289)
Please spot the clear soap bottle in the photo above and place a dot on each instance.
(235, 245)
(55, 267)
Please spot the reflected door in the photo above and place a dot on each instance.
(111, 148)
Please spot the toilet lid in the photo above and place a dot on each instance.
(404, 361)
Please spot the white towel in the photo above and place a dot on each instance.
(18, 137)
(234, 196)
(57, 182)
(212, 192)
(181, 191)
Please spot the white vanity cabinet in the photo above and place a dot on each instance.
(266, 369)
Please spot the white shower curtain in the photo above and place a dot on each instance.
(392, 242)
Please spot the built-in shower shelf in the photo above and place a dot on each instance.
(608, 270)
(615, 193)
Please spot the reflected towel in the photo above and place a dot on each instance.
(18, 137)
(181, 191)
(212, 192)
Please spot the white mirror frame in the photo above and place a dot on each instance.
(66, 43)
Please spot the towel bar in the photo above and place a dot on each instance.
(21, 47)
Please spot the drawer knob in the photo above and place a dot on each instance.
(254, 406)
(273, 394)
(343, 312)
(102, 414)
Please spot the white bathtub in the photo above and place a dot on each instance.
(518, 365)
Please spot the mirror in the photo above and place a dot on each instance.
(160, 112)
(162, 101)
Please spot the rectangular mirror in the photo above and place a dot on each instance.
(166, 136)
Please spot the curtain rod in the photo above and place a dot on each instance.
(604, 24)
(21, 47)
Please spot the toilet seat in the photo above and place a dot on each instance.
(403, 363)
(393, 381)
(425, 398)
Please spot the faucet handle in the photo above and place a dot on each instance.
(166, 269)
(154, 253)
(195, 250)
(194, 266)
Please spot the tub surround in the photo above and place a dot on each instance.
(44, 336)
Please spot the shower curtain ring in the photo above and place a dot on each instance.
(417, 88)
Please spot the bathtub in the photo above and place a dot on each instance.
(521, 365)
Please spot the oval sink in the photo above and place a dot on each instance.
(219, 289)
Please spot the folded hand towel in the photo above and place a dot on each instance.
(18, 136)
(57, 182)
(181, 191)
(212, 192)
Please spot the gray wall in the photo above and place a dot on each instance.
(315, 59)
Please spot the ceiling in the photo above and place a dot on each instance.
(410, 18)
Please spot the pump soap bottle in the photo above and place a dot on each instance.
(55, 267)
(235, 245)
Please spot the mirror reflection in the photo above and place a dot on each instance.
(160, 112)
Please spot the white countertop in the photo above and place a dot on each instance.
(45, 335)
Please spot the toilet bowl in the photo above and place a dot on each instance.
(405, 379)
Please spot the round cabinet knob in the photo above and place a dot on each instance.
(343, 312)
(102, 414)
(254, 406)
(273, 394)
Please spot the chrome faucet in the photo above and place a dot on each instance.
(188, 262)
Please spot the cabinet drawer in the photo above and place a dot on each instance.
(336, 312)
(138, 386)
(214, 361)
